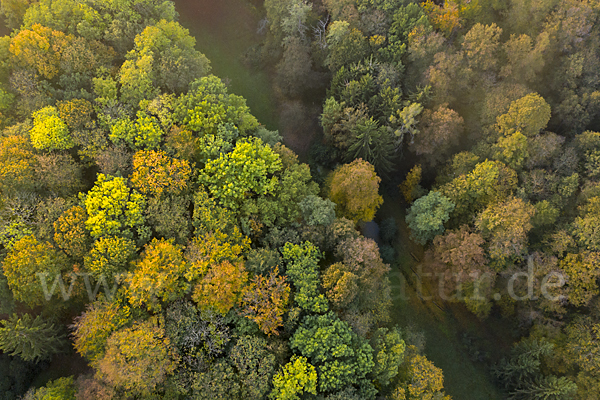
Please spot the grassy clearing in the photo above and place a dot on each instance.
(224, 30)
(464, 376)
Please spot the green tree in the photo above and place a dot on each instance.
(207, 105)
(302, 266)
(388, 354)
(58, 389)
(346, 45)
(30, 338)
(317, 211)
(295, 378)
(170, 50)
(218, 381)
(144, 132)
(547, 388)
(248, 169)
(354, 188)
(255, 364)
(373, 144)
(427, 216)
(339, 355)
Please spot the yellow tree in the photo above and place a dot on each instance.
(445, 18)
(506, 225)
(25, 260)
(49, 132)
(211, 249)
(154, 172)
(583, 270)
(138, 359)
(354, 188)
(113, 208)
(93, 327)
(75, 113)
(410, 188)
(70, 233)
(265, 300)
(40, 48)
(158, 276)
(17, 164)
(426, 380)
(221, 287)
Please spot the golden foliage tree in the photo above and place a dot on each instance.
(158, 276)
(221, 287)
(154, 172)
(354, 188)
(264, 301)
(138, 359)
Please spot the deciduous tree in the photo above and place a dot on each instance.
(94, 326)
(49, 132)
(221, 287)
(295, 378)
(427, 216)
(70, 233)
(340, 356)
(109, 257)
(156, 173)
(255, 364)
(302, 266)
(248, 169)
(113, 208)
(528, 115)
(506, 225)
(265, 301)
(137, 359)
(25, 260)
(354, 188)
(157, 277)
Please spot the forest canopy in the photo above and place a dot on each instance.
(152, 228)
